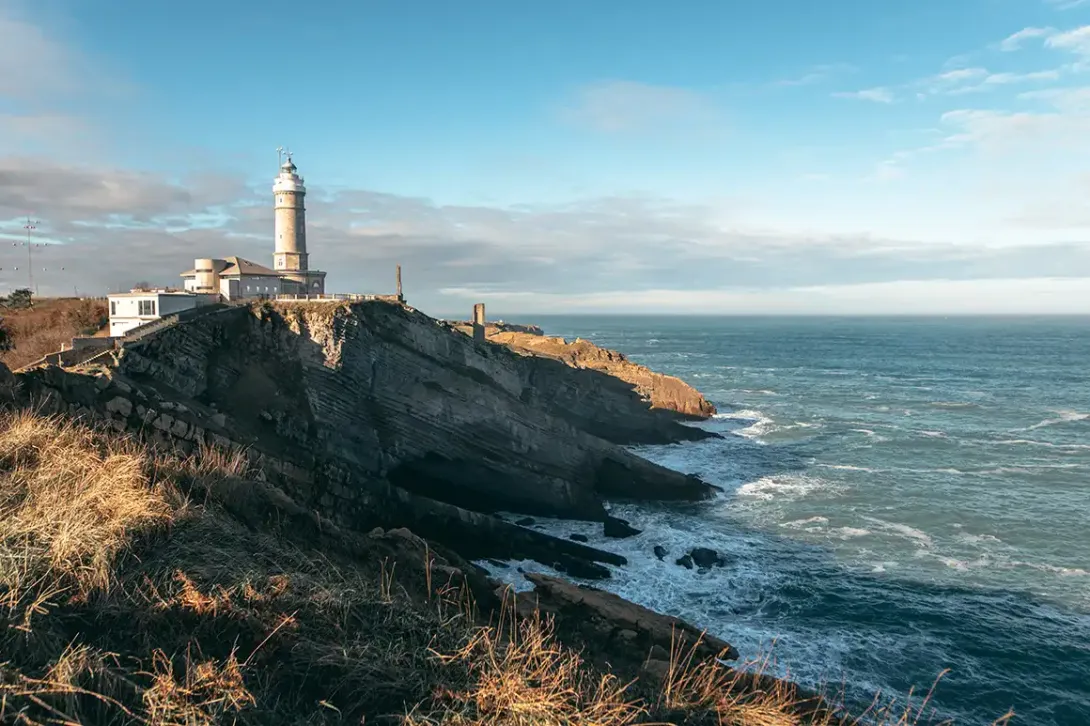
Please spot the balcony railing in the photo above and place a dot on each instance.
(333, 297)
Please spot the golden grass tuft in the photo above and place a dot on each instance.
(69, 504)
(207, 692)
(520, 674)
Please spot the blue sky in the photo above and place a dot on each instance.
(781, 156)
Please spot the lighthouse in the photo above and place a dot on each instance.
(290, 233)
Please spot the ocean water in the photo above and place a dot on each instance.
(901, 497)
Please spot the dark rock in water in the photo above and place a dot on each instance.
(705, 557)
(686, 561)
(526, 522)
(497, 563)
(577, 537)
(618, 528)
(660, 551)
(582, 569)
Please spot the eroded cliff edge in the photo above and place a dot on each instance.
(379, 415)
(667, 397)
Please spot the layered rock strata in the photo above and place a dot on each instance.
(381, 416)
(660, 392)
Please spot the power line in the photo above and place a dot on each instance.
(29, 227)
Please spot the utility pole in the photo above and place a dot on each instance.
(30, 227)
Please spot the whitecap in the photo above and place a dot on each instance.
(933, 434)
(978, 538)
(849, 532)
(802, 523)
(902, 530)
(847, 467)
(782, 486)
(1046, 444)
(1064, 416)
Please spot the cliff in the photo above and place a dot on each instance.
(381, 416)
(667, 394)
(145, 588)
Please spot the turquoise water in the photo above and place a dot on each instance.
(902, 496)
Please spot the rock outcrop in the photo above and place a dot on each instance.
(377, 415)
(616, 626)
(661, 392)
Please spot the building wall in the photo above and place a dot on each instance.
(258, 286)
(125, 311)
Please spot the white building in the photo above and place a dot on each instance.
(235, 278)
(129, 310)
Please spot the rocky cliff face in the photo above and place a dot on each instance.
(382, 416)
(662, 393)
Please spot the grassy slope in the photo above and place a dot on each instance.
(42, 329)
(142, 589)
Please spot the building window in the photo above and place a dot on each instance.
(113, 308)
(147, 307)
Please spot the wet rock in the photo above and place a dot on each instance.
(583, 569)
(685, 561)
(578, 537)
(526, 522)
(660, 552)
(618, 528)
(706, 558)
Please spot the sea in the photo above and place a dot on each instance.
(905, 502)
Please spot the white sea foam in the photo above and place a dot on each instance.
(1045, 444)
(782, 486)
(849, 532)
(872, 435)
(902, 530)
(1062, 571)
(1063, 417)
(847, 467)
(933, 434)
(978, 538)
(812, 524)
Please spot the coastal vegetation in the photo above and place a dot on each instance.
(30, 329)
(140, 587)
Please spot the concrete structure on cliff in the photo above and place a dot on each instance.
(237, 279)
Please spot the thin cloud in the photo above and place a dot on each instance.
(876, 95)
(818, 73)
(629, 106)
(1015, 41)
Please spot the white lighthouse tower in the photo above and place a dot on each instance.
(290, 234)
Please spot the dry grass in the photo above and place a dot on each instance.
(42, 329)
(129, 595)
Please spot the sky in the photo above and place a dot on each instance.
(696, 156)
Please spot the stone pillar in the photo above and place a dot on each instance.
(400, 297)
(478, 322)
